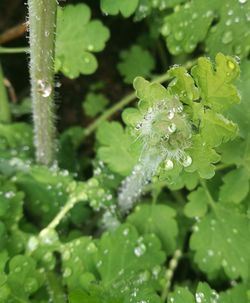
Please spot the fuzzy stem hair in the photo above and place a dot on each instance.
(42, 24)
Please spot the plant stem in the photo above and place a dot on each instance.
(211, 201)
(123, 102)
(64, 210)
(5, 115)
(55, 288)
(42, 21)
(14, 50)
(170, 273)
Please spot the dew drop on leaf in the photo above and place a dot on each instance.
(140, 250)
(172, 128)
(169, 164)
(187, 161)
(67, 272)
(227, 37)
(166, 29)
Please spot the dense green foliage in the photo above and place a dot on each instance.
(154, 206)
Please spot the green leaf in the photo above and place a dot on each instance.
(77, 38)
(215, 82)
(45, 190)
(22, 280)
(16, 141)
(235, 187)
(183, 85)
(123, 254)
(197, 205)
(144, 63)
(241, 113)
(181, 295)
(222, 26)
(157, 219)
(148, 7)
(239, 293)
(216, 129)
(220, 241)
(149, 93)
(114, 7)
(77, 261)
(203, 158)
(117, 149)
(94, 104)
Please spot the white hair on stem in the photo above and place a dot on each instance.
(133, 185)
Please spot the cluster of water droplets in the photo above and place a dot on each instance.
(182, 38)
(165, 134)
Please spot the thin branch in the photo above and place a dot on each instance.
(5, 114)
(13, 33)
(14, 50)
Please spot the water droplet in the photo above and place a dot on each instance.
(166, 29)
(17, 269)
(44, 88)
(227, 37)
(172, 128)
(140, 250)
(66, 255)
(238, 50)
(231, 65)
(178, 36)
(138, 126)
(170, 114)
(209, 13)
(67, 272)
(32, 243)
(169, 164)
(224, 263)
(187, 161)
(199, 296)
(210, 252)
(125, 232)
(90, 47)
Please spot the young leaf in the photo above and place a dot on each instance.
(216, 82)
(144, 63)
(94, 104)
(117, 149)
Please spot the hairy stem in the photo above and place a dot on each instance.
(42, 20)
(5, 115)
